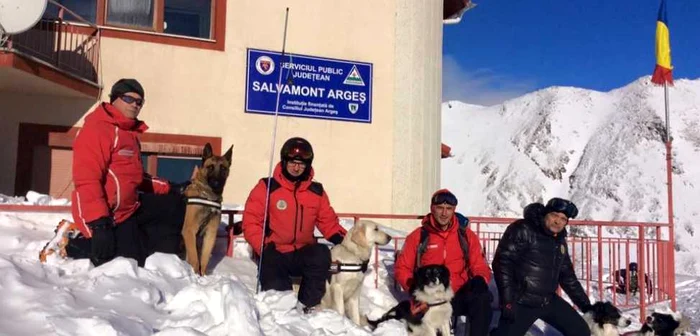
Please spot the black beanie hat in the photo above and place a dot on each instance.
(566, 207)
(126, 85)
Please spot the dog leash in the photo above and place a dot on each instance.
(420, 307)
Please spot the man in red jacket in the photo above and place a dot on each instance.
(296, 207)
(118, 209)
(469, 275)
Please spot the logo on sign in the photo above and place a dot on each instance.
(354, 78)
(265, 65)
(353, 107)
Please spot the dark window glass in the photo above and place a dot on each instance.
(136, 13)
(144, 162)
(176, 169)
(188, 18)
(87, 9)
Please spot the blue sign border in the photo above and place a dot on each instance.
(291, 114)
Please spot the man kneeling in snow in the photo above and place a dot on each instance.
(531, 261)
(297, 205)
(444, 239)
(117, 208)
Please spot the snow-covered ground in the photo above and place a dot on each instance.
(70, 297)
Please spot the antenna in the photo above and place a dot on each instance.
(17, 16)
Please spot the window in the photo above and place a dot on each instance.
(188, 18)
(87, 9)
(132, 13)
(176, 169)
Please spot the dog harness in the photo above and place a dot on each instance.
(204, 202)
(338, 267)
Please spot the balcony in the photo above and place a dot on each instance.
(59, 56)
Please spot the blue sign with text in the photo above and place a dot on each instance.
(311, 87)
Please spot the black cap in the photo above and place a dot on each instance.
(126, 85)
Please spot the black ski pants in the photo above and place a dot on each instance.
(476, 307)
(558, 313)
(156, 226)
(311, 263)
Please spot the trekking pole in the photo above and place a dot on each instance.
(272, 151)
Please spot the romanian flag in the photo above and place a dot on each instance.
(663, 73)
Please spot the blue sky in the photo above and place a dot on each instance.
(504, 48)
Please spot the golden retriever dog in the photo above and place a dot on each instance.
(350, 259)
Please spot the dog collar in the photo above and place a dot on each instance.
(439, 303)
(204, 201)
(337, 267)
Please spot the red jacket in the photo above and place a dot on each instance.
(293, 214)
(107, 168)
(443, 248)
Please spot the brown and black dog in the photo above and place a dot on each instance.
(203, 211)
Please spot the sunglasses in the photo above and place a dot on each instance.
(443, 198)
(131, 100)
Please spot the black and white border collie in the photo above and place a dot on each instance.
(665, 323)
(604, 319)
(429, 310)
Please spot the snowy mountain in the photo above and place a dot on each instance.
(603, 150)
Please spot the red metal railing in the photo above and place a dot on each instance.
(67, 42)
(595, 253)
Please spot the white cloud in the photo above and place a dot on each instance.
(481, 86)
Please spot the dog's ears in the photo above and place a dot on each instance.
(358, 235)
(229, 155)
(207, 152)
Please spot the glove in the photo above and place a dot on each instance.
(103, 245)
(336, 239)
(508, 312)
(179, 188)
(586, 308)
(477, 285)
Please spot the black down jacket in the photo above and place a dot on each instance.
(531, 262)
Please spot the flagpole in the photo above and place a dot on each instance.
(669, 183)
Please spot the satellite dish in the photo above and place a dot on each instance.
(17, 16)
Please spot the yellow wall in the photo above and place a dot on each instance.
(388, 166)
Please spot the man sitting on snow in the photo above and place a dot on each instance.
(118, 209)
(442, 240)
(296, 207)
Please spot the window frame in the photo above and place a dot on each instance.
(57, 136)
(217, 28)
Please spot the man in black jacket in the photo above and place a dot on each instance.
(531, 261)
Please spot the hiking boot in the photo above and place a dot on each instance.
(64, 232)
